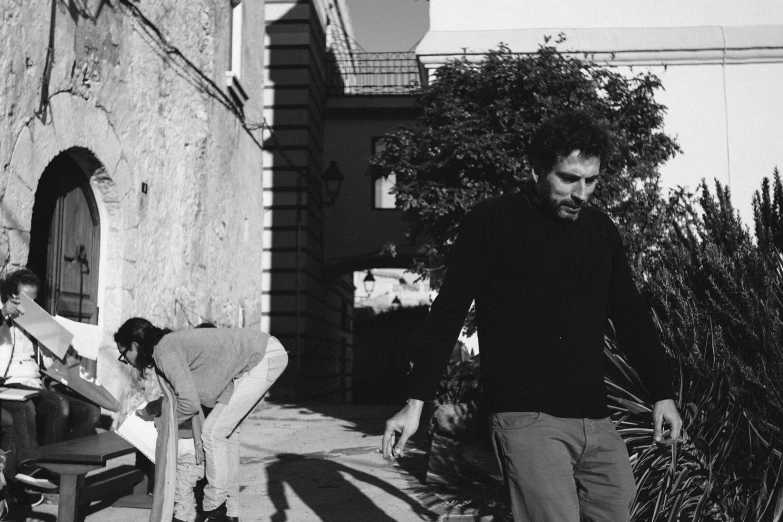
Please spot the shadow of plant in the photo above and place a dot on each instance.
(471, 491)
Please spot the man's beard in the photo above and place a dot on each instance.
(565, 212)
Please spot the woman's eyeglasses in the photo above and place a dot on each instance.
(122, 358)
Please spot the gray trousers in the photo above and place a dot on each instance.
(189, 472)
(563, 470)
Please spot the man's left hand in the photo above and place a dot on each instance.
(665, 413)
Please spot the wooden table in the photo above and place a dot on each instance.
(73, 459)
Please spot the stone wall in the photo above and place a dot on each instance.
(137, 95)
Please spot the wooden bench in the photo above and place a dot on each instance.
(127, 485)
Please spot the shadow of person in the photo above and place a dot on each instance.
(28, 514)
(321, 485)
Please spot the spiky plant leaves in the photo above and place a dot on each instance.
(722, 469)
(768, 213)
(778, 505)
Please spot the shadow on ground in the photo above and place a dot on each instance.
(27, 514)
(309, 475)
(466, 488)
(334, 467)
(369, 419)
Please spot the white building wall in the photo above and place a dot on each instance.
(721, 64)
(734, 135)
(478, 15)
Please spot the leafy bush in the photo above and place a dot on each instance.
(459, 412)
(768, 214)
(727, 469)
(461, 381)
(718, 298)
(718, 301)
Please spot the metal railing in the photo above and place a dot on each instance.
(373, 74)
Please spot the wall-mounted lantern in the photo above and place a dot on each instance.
(333, 183)
(369, 282)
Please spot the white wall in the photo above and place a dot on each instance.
(478, 15)
(739, 146)
(724, 69)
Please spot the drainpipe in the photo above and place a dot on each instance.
(43, 107)
(299, 275)
(726, 107)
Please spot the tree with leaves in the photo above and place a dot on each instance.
(475, 135)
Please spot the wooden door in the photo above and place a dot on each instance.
(64, 199)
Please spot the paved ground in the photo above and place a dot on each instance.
(319, 462)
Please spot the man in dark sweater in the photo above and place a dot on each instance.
(546, 272)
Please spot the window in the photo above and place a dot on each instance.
(235, 90)
(382, 199)
(236, 37)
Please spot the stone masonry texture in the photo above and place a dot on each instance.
(137, 95)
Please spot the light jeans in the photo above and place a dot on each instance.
(189, 472)
(220, 434)
(563, 470)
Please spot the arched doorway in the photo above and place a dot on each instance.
(65, 240)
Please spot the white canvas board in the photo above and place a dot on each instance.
(140, 433)
(87, 338)
(37, 322)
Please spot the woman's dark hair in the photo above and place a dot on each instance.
(146, 335)
(561, 135)
(24, 276)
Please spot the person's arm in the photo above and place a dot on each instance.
(471, 257)
(175, 368)
(637, 337)
(151, 410)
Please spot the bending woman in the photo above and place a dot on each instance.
(228, 370)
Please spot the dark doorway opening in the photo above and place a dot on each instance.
(65, 241)
(384, 347)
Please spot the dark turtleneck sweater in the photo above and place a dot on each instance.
(544, 289)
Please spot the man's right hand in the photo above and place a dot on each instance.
(400, 428)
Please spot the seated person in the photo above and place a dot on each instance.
(17, 430)
(65, 415)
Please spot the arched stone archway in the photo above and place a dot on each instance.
(366, 262)
(84, 132)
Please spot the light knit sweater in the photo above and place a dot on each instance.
(201, 364)
(17, 357)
